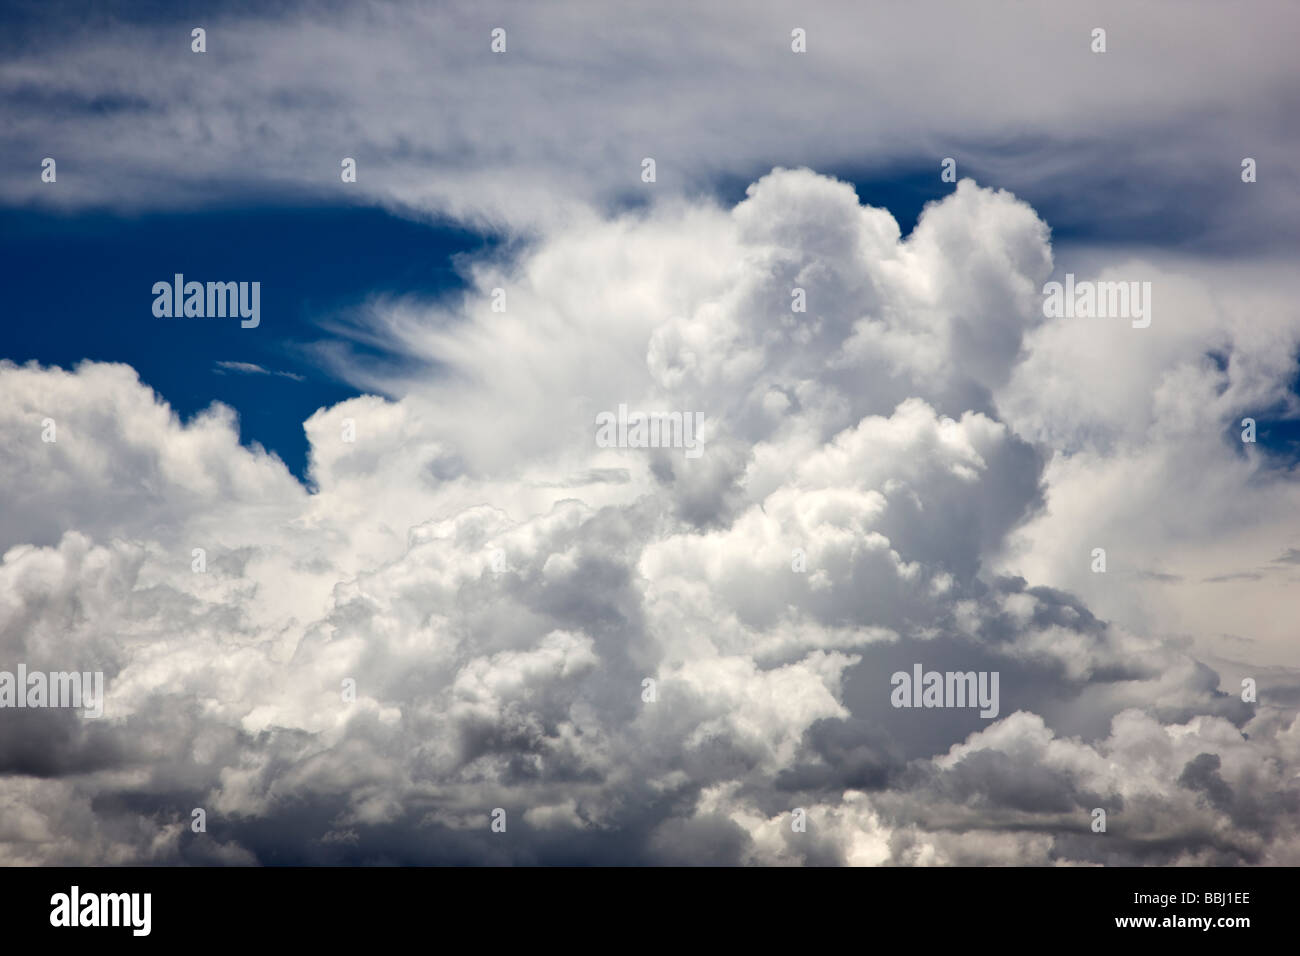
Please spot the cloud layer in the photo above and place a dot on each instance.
(438, 124)
(500, 589)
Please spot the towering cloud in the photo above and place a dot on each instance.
(638, 655)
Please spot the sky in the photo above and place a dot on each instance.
(368, 586)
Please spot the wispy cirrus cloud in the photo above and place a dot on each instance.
(439, 124)
(252, 368)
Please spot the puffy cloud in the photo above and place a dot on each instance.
(1147, 459)
(640, 656)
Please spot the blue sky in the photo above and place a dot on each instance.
(87, 279)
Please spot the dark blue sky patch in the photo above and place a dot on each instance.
(1278, 438)
(82, 286)
(1277, 435)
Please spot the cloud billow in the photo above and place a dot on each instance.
(500, 617)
